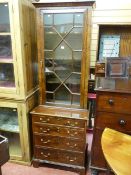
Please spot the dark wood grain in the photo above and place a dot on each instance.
(112, 111)
(59, 136)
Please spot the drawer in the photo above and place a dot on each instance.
(59, 142)
(59, 121)
(120, 122)
(114, 103)
(59, 156)
(59, 131)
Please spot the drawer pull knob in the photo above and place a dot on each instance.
(111, 102)
(41, 119)
(41, 153)
(122, 122)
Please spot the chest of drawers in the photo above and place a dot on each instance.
(59, 137)
(113, 110)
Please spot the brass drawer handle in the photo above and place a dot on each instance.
(111, 102)
(45, 141)
(48, 155)
(58, 129)
(44, 121)
(68, 122)
(45, 155)
(45, 131)
(122, 122)
(71, 146)
(74, 134)
(71, 160)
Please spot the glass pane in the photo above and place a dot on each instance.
(76, 100)
(63, 96)
(49, 55)
(49, 61)
(49, 97)
(9, 128)
(77, 56)
(52, 82)
(104, 83)
(5, 47)
(14, 143)
(63, 23)
(78, 19)
(7, 75)
(9, 119)
(48, 20)
(63, 61)
(52, 39)
(4, 18)
(73, 83)
(74, 39)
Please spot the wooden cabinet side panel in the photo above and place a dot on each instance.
(28, 35)
(97, 157)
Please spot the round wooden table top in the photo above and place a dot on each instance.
(116, 148)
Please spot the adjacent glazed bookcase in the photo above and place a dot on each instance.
(18, 75)
(17, 49)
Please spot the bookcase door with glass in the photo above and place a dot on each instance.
(9, 127)
(18, 60)
(64, 65)
(7, 80)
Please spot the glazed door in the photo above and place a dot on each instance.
(6, 59)
(9, 127)
(64, 63)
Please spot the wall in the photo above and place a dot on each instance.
(111, 12)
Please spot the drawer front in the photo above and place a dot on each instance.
(59, 121)
(59, 142)
(121, 122)
(60, 156)
(59, 131)
(114, 103)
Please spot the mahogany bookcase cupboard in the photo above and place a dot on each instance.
(59, 123)
(18, 75)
